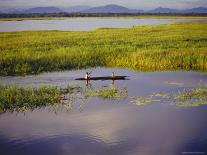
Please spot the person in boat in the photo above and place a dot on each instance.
(87, 76)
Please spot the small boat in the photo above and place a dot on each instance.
(105, 78)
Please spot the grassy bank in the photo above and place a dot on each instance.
(177, 46)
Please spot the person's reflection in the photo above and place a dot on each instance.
(88, 84)
(113, 82)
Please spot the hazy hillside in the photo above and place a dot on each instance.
(111, 9)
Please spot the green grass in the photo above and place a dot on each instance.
(13, 98)
(177, 46)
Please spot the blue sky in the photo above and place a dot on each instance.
(140, 4)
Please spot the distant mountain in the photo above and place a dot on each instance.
(196, 10)
(111, 9)
(43, 10)
(163, 10)
(169, 10)
(77, 8)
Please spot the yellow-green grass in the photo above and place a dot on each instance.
(167, 47)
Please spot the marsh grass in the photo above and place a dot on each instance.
(13, 98)
(177, 46)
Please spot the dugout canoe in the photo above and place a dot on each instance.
(105, 78)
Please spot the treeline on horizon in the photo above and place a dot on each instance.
(33, 15)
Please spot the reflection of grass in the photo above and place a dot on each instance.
(177, 46)
(109, 93)
(193, 97)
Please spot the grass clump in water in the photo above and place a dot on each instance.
(143, 101)
(13, 98)
(109, 93)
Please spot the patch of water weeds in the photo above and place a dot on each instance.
(143, 101)
(186, 97)
(107, 93)
(192, 97)
(13, 98)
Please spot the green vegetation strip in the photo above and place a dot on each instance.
(177, 46)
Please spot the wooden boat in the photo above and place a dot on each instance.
(105, 78)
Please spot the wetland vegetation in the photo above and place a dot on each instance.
(13, 98)
(175, 46)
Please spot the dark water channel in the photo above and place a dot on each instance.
(109, 127)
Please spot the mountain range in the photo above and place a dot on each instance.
(112, 8)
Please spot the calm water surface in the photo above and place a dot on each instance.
(108, 127)
(84, 24)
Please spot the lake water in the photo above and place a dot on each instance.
(84, 24)
(100, 126)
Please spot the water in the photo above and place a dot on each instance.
(84, 24)
(108, 127)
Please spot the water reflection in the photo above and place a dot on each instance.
(114, 130)
(108, 127)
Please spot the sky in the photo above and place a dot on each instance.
(138, 4)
